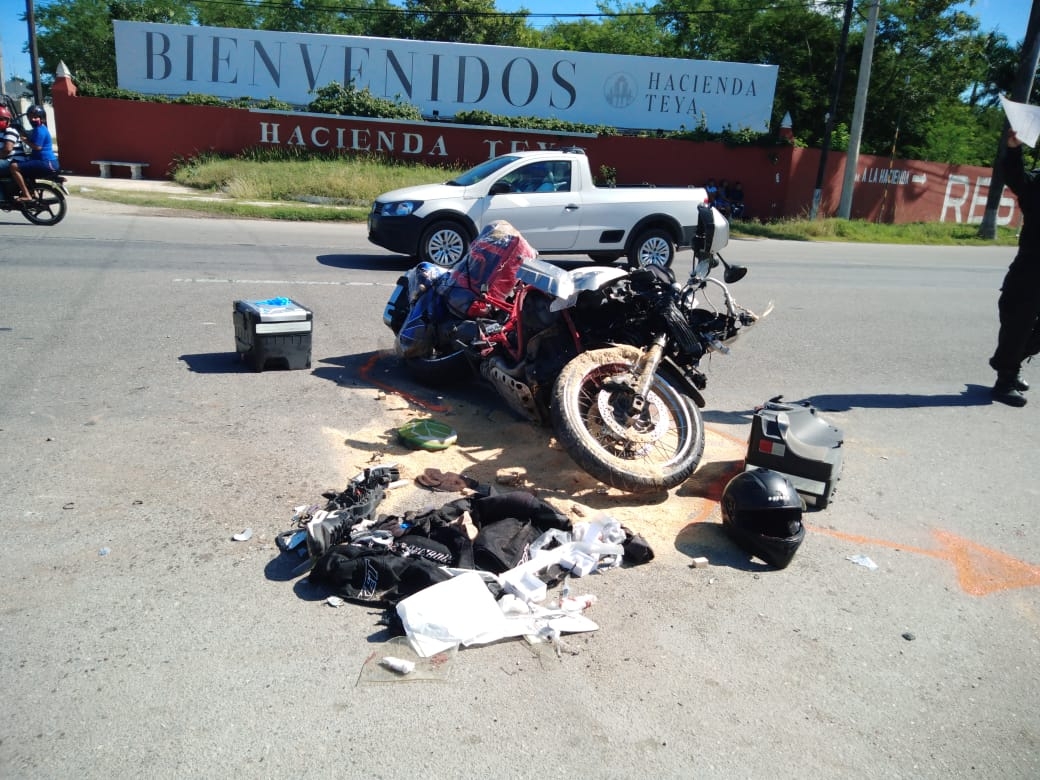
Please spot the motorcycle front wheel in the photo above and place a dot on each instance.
(657, 449)
(48, 206)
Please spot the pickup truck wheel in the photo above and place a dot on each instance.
(603, 258)
(653, 247)
(443, 243)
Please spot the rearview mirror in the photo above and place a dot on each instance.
(734, 273)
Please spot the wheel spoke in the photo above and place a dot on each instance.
(48, 206)
(445, 248)
(656, 435)
(655, 449)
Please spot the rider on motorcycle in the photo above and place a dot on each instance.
(42, 158)
(12, 153)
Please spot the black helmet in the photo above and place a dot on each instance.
(37, 111)
(762, 512)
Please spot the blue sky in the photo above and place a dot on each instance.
(1007, 16)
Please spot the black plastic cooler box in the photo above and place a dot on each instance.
(794, 440)
(273, 333)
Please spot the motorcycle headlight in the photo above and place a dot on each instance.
(399, 208)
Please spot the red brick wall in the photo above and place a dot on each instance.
(779, 181)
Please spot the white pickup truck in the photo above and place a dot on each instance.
(551, 198)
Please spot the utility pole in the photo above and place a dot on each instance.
(30, 18)
(839, 71)
(1020, 93)
(856, 134)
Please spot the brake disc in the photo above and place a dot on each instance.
(648, 427)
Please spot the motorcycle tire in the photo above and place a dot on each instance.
(658, 452)
(440, 370)
(49, 206)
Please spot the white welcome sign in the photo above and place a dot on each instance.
(600, 89)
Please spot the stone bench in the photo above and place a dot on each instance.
(106, 168)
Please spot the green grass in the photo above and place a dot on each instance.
(354, 181)
(861, 231)
(229, 207)
(298, 186)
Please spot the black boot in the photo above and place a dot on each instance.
(1008, 388)
(331, 530)
(345, 510)
(1013, 378)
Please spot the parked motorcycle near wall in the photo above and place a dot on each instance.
(49, 204)
(609, 357)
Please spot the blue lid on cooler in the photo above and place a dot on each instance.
(274, 309)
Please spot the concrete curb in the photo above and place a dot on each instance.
(130, 185)
(176, 191)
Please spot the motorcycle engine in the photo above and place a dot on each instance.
(549, 343)
(535, 315)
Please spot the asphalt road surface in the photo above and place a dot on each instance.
(138, 637)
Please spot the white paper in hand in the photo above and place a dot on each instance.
(1024, 120)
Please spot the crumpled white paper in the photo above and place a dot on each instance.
(458, 611)
(862, 560)
(1024, 120)
(462, 611)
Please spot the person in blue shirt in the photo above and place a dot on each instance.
(722, 197)
(39, 145)
(713, 190)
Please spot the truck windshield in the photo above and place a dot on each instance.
(482, 171)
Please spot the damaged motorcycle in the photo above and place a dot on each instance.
(608, 357)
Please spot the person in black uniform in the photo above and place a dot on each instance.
(1019, 302)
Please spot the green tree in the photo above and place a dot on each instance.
(80, 33)
(802, 39)
(803, 42)
(925, 57)
(466, 21)
(227, 13)
(364, 17)
(995, 72)
(702, 29)
(625, 28)
(959, 134)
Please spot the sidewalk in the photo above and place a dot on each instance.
(133, 185)
(178, 191)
